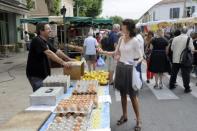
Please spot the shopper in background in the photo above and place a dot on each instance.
(159, 62)
(195, 54)
(170, 53)
(148, 50)
(40, 52)
(27, 40)
(178, 45)
(90, 45)
(141, 43)
(111, 45)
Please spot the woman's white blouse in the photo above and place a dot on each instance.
(130, 50)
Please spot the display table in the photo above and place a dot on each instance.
(100, 118)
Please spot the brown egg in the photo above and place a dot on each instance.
(85, 108)
(78, 107)
(65, 108)
(58, 119)
(68, 115)
(79, 119)
(75, 92)
(58, 108)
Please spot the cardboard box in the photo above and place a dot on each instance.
(76, 70)
(46, 96)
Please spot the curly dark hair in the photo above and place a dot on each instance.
(130, 25)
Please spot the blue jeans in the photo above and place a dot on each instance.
(35, 82)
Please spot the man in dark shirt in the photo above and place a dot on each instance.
(110, 46)
(40, 50)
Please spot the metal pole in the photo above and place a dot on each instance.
(77, 9)
(65, 41)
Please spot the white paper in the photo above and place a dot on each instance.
(104, 98)
(41, 108)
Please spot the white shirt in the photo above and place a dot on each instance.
(90, 43)
(178, 45)
(130, 50)
(141, 42)
(26, 37)
(190, 31)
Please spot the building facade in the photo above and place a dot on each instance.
(10, 13)
(40, 8)
(170, 10)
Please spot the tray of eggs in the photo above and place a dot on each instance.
(75, 105)
(85, 88)
(69, 122)
(91, 97)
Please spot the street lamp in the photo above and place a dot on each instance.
(63, 12)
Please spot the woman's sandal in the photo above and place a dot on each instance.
(122, 120)
(138, 126)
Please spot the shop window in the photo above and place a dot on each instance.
(174, 13)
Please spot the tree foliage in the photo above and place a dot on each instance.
(53, 7)
(30, 4)
(117, 19)
(88, 8)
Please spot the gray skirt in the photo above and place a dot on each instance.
(123, 80)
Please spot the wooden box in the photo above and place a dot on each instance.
(76, 70)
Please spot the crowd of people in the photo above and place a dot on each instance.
(127, 47)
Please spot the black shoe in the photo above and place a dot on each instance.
(147, 81)
(187, 90)
(172, 87)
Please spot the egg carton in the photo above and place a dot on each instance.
(70, 123)
(74, 109)
(57, 80)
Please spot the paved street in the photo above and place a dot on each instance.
(161, 110)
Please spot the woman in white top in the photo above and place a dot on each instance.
(128, 54)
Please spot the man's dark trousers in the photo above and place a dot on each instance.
(185, 72)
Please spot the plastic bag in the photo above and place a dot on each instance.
(100, 61)
(136, 83)
(85, 63)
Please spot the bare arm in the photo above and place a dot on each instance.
(55, 58)
(63, 56)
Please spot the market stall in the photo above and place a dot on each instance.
(79, 103)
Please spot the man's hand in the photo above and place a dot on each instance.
(66, 64)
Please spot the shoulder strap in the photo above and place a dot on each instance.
(187, 44)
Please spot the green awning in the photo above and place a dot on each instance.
(102, 21)
(73, 20)
(34, 20)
